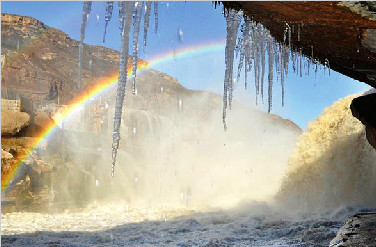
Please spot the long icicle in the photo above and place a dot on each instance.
(108, 16)
(247, 49)
(85, 13)
(262, 50)
(156, 16)
(232, 20)
(146, 22)
(126, 19)
(136, 32)
(270, 75)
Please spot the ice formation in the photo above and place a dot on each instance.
(129, 13)
(233, 19)
(156, 16)
(146, 21)
(255, 48)
(108, 16)
(125, 18)
(85, 16)
(251, 48)
(136, 30)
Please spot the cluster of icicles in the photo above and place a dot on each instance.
(253, 45)
(130, 13)
(257, 49)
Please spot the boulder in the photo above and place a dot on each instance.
(363, 108)
(5, 155)
(42, 119)
(359, 230)
(13, 122)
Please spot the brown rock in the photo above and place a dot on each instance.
(13, 122)
(5, 155)
(42, 119)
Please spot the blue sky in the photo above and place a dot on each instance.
(201, 23)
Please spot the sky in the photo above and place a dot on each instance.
(201, 23)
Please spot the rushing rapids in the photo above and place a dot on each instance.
(332, 165)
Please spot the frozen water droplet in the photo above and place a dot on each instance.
(180, 104)
(180, 35)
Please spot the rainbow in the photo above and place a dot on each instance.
(98, 89)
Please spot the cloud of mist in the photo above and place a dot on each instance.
(184, 157)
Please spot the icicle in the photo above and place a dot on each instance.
(270, 74)
(121, 6)
(298, 32)
(126, 17)
(293, 54)
(136, 31)
(85, 13)
(277, 59)
(232, 21)
(247, 42)
(262, 50)
(240, 52)
(327, 65)
(146, 21)
(283, 71)
(156, 16)
(300, 65)
(108, 16)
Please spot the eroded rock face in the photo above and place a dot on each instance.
(363, 108)
(13, 122)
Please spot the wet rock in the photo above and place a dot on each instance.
(363, 108)
(13, 122)
(359, 230)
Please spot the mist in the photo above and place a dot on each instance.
(185, 158)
